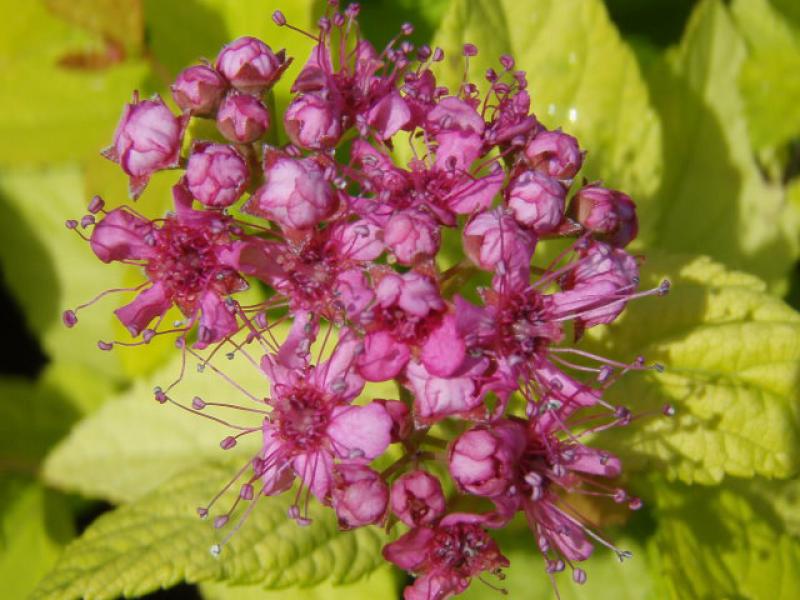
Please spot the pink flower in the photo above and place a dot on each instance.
(359, 495)
(216, 174)
(438, 397)
(148, 139)
(483, 460)
(554, 153)
(312, 122)
(458, 129)
(537, 201)
(417, 498)
(242, 118)
(609, 213)
(389, 115)
(250, 65)
(296, 194)
(312, 420)
(411, 234)
(198, 90)
(445, 557)
(406, 307)
(183, 261)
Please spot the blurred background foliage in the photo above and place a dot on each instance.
(692, 107)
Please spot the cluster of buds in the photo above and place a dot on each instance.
(348, 241)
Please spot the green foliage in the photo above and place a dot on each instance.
(724, 543)
(133, 444)
(769, 82)
(699, 134)
(36, 524)
(158, 541)
(713, 199)
(732, 353)
(581, 75)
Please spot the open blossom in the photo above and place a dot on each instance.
(423, 272)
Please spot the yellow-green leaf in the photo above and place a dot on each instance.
(158, 541)
(732, 357)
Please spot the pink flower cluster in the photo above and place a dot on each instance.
(349, 242)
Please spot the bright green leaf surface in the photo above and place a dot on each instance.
(32, 418)
(607, 579)
(49, 112)
(769, 82)
(36, 524)
(713, 199)
(159, 540)
(133, 444)
(381, 584)
(582, 77)
(732, 354)
(724, 543)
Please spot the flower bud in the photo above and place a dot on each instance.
(483, 460)
(148, 139)
(417, 498)
(313, 122)
(250, 65)
(492, 237)
(296, 194)
(402, 424)
(359, 494)
(537, 201)
(198, 90)
(216, 174)
(410, 234)
(554, 153)
(609, 213)
(242, 118)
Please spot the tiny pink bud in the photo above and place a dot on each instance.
(554, 153)
(359, 495)
(608, 213)
(296, 193)
(70, 223)
(159, 395)
(216, 174)
(198, 90)
(105, 346)
(242, 118)
(537, 201)
(202, 512)
(312, 122)
(246, 492)
(228, 443)
(198, 403)
(87, 220)
(470, 50)
(250, 65)
(407, 28)
(417, 498)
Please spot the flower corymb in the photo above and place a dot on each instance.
(348, 251)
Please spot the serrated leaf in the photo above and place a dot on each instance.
(36, 524)
(724, 543)
(133, 444)
(713, 199)
(381, 583)
(769, 83)
(607, 579)
(732, 356)
(581, 75)
(158, 541)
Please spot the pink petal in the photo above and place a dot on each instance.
(149, 304)
(444, 350)
(316, 471)
(360, 431)
(383, 357)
